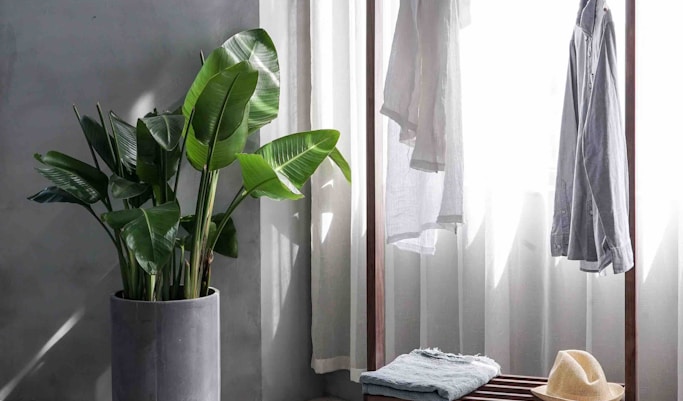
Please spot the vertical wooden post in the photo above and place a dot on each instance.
(631, 290)
(375, 207)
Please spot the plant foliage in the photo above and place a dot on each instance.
(163, 253)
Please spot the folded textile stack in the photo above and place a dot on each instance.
(430, 375)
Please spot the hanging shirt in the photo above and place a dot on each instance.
(422, 96)
(422, 88)
(591, 217)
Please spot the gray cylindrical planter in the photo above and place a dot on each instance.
(166, 351)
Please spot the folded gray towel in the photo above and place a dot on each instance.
(430, 375)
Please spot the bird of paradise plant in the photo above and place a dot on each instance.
(163, 254)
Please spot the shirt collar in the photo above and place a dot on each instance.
(587, 15)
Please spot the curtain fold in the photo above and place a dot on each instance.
(659, 141)
(338, 231)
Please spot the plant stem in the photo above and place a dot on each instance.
(151, 281)
(187, 273)
(206, 274)
(159, 289)
(122, 260)
(208, 212)
(134, 276)
(107, 203)
(179, 273)
(123, 266)
(195, 252)
(239, 197)
(204, 209)
(89, 209)
(167, 278)
(92, 152)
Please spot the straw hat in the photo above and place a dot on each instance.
(577, 376)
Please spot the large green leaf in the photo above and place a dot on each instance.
(256, 47)
(149, 157)
(56, 195)
(125, 140)
(99, 140)
(150, 233)
(221, 106)
(217, 61)
(297, 156)
(226, 244)
(79, 179)
(147, 163)
(223, 153)
(119, 218)
(220, 119)
(166, 129)
(260, 179)
(343, 165)
(121, 188)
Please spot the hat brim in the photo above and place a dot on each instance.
(541, 392)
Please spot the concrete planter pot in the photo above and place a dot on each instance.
(165, 350)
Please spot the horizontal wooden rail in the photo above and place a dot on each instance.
(508, 387)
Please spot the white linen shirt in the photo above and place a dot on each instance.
(422, 98)
(422, 88)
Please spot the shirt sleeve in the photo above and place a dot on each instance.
(400, 83)
(605, 160)
(566, 160)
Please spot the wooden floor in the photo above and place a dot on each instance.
(506, 387)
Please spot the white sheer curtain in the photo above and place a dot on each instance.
(337, 207)
(494, 288)
(659, 143)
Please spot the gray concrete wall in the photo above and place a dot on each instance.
(57, 267)
(338, 384)
(286, 226)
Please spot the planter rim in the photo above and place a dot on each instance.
(213, 292)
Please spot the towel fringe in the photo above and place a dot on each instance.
(437, 353)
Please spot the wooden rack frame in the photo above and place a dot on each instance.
(375, 211)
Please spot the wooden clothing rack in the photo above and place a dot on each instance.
(504, 387)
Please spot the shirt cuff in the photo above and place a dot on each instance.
(622, 258)
(558, 245)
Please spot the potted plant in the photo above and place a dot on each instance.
(165, 320)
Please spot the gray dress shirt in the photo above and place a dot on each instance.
(590, 222)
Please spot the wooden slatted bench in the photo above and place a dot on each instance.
(506, 387)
